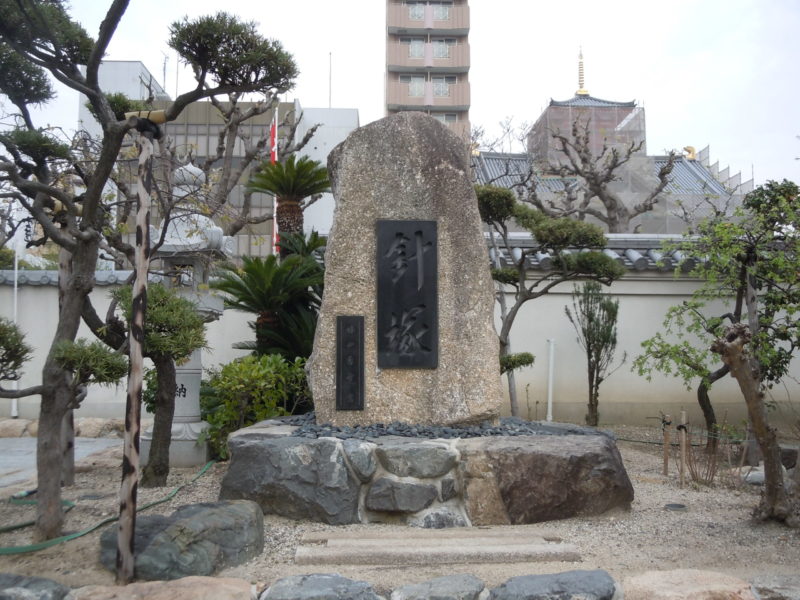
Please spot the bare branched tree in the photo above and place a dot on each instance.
(596, 173)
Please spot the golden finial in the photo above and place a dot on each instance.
(581, 91)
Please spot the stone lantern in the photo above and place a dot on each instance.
(192, 243)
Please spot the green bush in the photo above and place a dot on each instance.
(249, 390)
(14, 352)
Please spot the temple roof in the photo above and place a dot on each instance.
(509, 170)
(585, 100)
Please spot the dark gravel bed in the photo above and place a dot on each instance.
(508, 426)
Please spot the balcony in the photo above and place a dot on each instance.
(397, 59)
(398, 20)
(399, 98)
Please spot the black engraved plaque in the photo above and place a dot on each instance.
(349, 363)
(408, 319)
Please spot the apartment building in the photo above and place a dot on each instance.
(428, 58)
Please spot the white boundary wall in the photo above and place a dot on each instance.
(624, 398)
(37, 311)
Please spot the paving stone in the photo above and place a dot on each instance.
(21, 587)
(570, 585)
(679, 584)
(450, 587)
(319, 586)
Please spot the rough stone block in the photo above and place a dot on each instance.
(448, 489)
(362, 458)
(570, 585)
(438, 518)
(197, 539)
(409, 167)
(423, 459)
(541, 478)
(15, 427)
(777, 587)
(293, 477)
(387, 495)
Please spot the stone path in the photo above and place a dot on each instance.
(18, 456)
(433, 546)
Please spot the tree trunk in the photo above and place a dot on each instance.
(774, 501)
(130, 460)
(68, 448)
(49, 514)
(619, 221)
(157, 469)
(593, 416)
(57, 395)
(264, 322)
(505, 350)
(288, 217)
(67, 423)
(703, 399)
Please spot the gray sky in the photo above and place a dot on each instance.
(718, 72)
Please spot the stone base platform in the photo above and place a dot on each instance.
(430, 483)
(410, 546)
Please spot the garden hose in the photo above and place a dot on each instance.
(19, 500)
(72, 536)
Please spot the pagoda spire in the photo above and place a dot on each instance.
(581, 90)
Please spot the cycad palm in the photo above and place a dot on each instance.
(291, 182)
(266, 286)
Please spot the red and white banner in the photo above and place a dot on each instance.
(273, 139)
(273, 158)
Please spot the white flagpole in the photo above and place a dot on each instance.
(15, 401)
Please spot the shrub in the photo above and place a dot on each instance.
(249, 390)
(14, 352)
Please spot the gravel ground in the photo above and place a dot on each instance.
(714, 532)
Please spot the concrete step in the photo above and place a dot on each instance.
(412, 546)
(416, 533)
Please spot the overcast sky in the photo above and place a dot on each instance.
(712, 72)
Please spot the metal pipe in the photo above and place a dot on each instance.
(15, 401)
(551, 343)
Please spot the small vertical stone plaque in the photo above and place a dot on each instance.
(407, 312)
(349, 362)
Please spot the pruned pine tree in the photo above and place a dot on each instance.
(560, 239)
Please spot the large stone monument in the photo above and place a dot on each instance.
(406, 327)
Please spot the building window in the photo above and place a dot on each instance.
(445, 117)
(441, 47)
(416, 85)
(416, 47)
(416, 11)
(441, 85)
(441, 10)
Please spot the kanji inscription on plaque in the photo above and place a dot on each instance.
(407, 319)
(349, 363)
